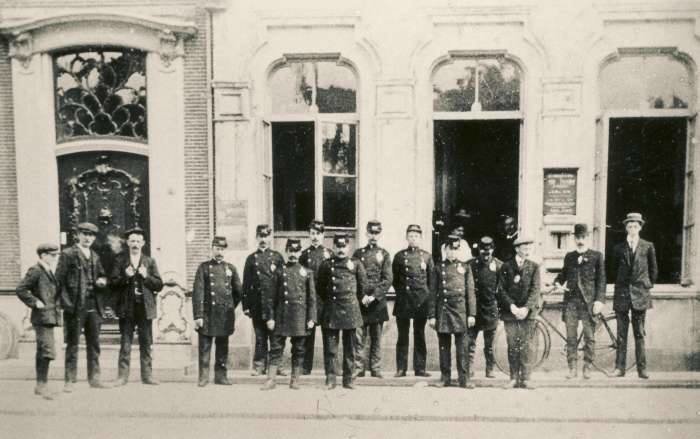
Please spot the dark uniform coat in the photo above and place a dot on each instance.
(123, 286)
(72, 283)
(377, 263)
(585, 279)
(341, 281)
(311, 259)
(40, 285)
(293, 303)
(518, 286)
(454, 297)
(636, 276)
(485, 280)
(215, 295)
(413, 270)
(259, 276)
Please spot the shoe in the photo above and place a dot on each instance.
(330, 382)
(120, 382)
(511, 384)
(223, 381)
(330, 386)
(150, 381)
(618, 373)
(99, 385)
(294, 384)
(586, 371)
(527, 384)
(42, 390)
(269, 385)
(349, 385)
(441, 383)
(573, 372)
(306, 372)
(643, 374)
(377, 374)
(257, 372)
(471, 372)
(68, 387)
(467, 384)
(202, 382)
(360, 374)
(422, 373)
(490, 374)
(400, 374)
(281, 372)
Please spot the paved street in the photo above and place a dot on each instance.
(176, 410)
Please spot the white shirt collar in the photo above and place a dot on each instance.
(633, 242)
(85, 251)
(135, 259)
(518, 260)
(46, 266)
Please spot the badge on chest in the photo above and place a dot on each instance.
(302, 272)
(229, 273)
(380, 257)
(516, 279)
(273, 267)
(492, 266)
(460, 269)
(350, 265)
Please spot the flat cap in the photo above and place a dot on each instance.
(134, 231)
(46, 247)
(88, 228)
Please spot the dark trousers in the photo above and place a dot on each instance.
(90, 323)
(331, 339)
(578, 310)
(419, 349)
(623, 321)
(220, 356)
(519, 334)
(445, 345)
(144, 328)
(277, 350)
(368, 347)
(45, 351)
(489, 335)
(262, 345)
(309, 342)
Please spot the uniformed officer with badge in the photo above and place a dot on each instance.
(453, 311)
(290, 312)
(341, 281)
(311, 259)
(215, 295)
(377, 263)
(485, 270)
(412, 271)
(258, 281)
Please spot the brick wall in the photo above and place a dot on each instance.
(9, 229)
(197, 195)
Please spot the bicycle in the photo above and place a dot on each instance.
(605, 335)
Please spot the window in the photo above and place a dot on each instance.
(100, 92)
(314, 128)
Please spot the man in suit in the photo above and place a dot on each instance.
(377, 263)
(39, 291)
(258, 281)
(582, 279)
(518, 294)
(215, 295)
(634, 261)
(452, 312)
(135, 281)
(485, 269)
(311, 259)
(290, 312)
(341, 280)
(413, 271)
(82, 283)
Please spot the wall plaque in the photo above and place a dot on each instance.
(560, 191)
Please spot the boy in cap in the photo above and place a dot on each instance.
(582, 279)
(39, 291)
(311, 259)
(290, 312)
(216, 293)
(377, 263)
(485, 269)
(453, 312)
(634, 262)
(413, 271)
(518, 293)
(82, 282)
(341, 280)
(258, 281)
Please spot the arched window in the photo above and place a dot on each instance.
(313, 132)
(100, 92)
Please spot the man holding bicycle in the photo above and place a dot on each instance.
(582, 280)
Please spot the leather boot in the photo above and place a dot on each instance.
(293, 381)
(271, 374)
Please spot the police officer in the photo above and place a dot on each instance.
(341, 280)
(377, 263)
(485, 269)
(215, 295)
(290, 312)
(413, 270)
(311, 259)
(259, 280)
(453, 312)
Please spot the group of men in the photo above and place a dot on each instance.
(458, 296)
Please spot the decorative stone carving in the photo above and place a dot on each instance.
(22, 49)
(170, 47)
(173, 326)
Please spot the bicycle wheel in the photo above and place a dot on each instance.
(539, 346)
(606, 345)
(7, 337)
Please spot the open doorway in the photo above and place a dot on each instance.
(476, 169)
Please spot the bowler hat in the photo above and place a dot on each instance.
(634, 216)
(293, 245)
(580, 229)
(523, 240)
(88, 228)
(219, 241)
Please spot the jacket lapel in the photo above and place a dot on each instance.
(48, 273)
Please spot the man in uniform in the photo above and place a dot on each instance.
(582, 279)
(634, 261)
(413, 271)
(453, 312)
(82, 284)
(485, 269)
(311, 259)
(518, 293)
(39, 291)
(215, 295)
(341, 281)
(377, 263)
(290, 312)
(258, 281)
